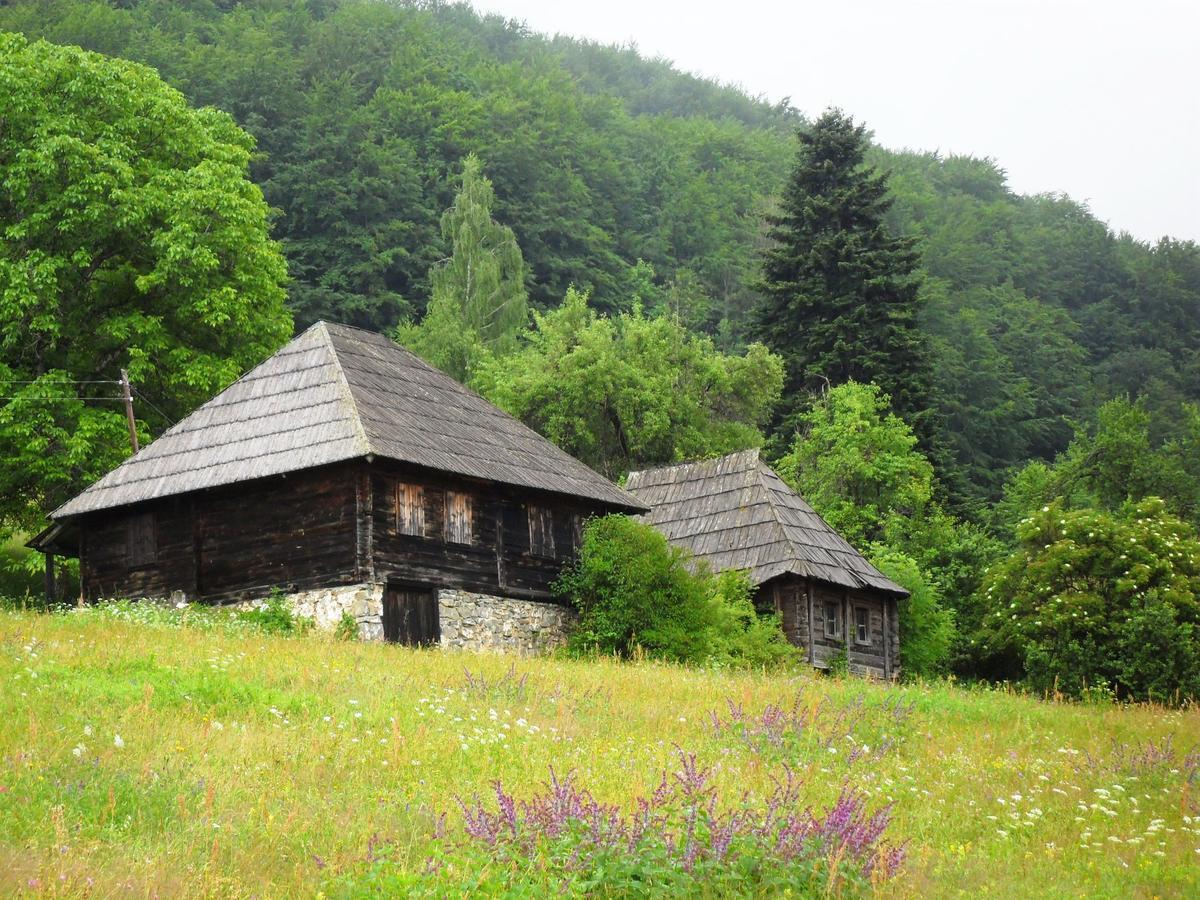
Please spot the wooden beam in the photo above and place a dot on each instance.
(812, 635)
(50, 587)
(887, 641)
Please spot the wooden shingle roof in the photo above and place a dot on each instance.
(337, 393)
(736, 513)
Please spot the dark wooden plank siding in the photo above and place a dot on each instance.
(499, 559)
(298, 530)
(280, 532)
(108, 571)
(334, 525)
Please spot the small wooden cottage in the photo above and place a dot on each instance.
(736, 513)
(347, 472)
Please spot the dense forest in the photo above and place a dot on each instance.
(634, 205)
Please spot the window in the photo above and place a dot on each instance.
(862, 625)
(458, 517)
(833, 619)
(141, 540)
(410, 509)
(541, 531)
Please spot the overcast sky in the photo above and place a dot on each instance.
(1094, 98)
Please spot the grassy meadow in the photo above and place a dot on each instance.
(143, 756)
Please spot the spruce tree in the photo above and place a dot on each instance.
(839, 291)
(478, 303)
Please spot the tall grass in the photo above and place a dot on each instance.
(151, 754)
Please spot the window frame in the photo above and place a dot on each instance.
(448, 533)
(836, 618)
(141, 540)
(544, 517)
(863, 626)
(410, 496)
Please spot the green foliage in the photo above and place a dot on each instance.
(627, 178)
(479, 302)
(634, 390)
(857, 463)
(132, 238)
(741, 636)
(1111, 461)
(840, 292)
(274, 616)
(927, 630)
(347, 627)
(1093, 597)
(635, 593)
(19, 578)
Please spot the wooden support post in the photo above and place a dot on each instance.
(128, 397)
(887, 641)
(50, 588)
(846, 624)
(812, 635)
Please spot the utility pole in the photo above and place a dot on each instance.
(129, 410)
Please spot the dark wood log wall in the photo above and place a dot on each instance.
(801, 605)
(334, 525)
(498, 560)
(293, 532)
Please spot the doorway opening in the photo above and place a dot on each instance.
(410, 616)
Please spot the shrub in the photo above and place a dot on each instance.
(634, 591)
(1093, 598)
(681, 839)
(275, 616)
(741, 636)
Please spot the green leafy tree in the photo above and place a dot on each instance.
(132, 238)
(859, 466)
(1110, 461)
(858, 463)
(927, 631)
(840, 292)
(1097, 598)
(630, 391)
(479, 300)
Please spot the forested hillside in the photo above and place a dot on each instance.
(600, 158)
(1032, 359)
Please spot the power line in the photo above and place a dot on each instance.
(143, 397)
(54, 383)
(60, 399)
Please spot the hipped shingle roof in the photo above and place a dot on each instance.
(337, 393)
(736, 513)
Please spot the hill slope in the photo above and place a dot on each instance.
(148, 756)
(364, 110)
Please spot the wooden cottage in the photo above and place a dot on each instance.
(735, 513)
(347, 472)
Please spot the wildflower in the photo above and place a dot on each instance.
(118, 742)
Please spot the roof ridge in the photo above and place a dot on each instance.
(694, 462)
(760, 470)
(763, 469)
(360, 432)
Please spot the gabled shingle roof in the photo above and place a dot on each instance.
(337, 393)
(736, 513)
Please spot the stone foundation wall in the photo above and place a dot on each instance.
(326, 605)
(468, 620)
(483, 622)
